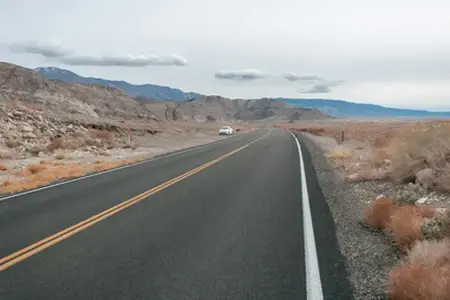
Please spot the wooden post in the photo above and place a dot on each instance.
(342, 137)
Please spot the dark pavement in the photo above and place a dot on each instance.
(231, 231)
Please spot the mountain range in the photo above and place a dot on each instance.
(144, 91)
(96, 101)
(340, 108)
(336, 108)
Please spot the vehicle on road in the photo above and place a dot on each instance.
(225, 130)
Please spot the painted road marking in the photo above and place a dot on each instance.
(30, 250)
(313, 282)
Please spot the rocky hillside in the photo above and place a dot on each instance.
(98, 103)
(39, 115)
(216, 107)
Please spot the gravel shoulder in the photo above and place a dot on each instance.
(370, 255)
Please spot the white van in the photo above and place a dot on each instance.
(225, 130)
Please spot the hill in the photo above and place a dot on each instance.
(216, 107)
(143, 92)
(340, 108)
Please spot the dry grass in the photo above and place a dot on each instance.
(3, 168)
(401, 149)
(43, 174)
(34, 169)
(405, 226)
(416, 282)
(429, 253)
(379, 213)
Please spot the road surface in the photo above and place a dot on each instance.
(223, 221)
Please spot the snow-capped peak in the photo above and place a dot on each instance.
(50, 70)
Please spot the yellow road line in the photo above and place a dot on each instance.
(30, 250)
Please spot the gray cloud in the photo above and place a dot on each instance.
(318, 89)
(240, 75)
(34, 47)
(125, 61)
(56, 52)
(294, 77)
(324, 87)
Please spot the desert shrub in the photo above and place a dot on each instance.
(34, 169)
(60, 156)
(437, 227)
(426, 211)
(414, 282)
(56, 144)
(405, 226)
(429, 253)
(3, 168)
(409, 194)
(101, 134)
(379, 213)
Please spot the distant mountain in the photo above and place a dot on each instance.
(141, 92)
(340, 108)
(221, 108)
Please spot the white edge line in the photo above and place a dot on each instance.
(313, 282)
(119, 168)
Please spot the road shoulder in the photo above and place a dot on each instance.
(368, 257)
(332, 264)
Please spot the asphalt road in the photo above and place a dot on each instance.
(231, 229)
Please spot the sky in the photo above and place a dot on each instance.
(389, 52)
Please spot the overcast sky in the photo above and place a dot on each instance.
(389, 52)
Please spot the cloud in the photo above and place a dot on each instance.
(324, 87)
(294, 77)
(33, 47)
(58, 53)
(319, 89)
(125, 61)
(240, 75)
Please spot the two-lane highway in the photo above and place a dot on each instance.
(223, 221)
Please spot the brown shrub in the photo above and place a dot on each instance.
(34, 169)
(378, 214)
(405, 226)
(415, 282)
(101, 134)
(429, 253)
(3, 168)
(60, 156)
(426, 211)
(56, 144)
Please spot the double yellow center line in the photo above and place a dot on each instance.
(30, 250)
